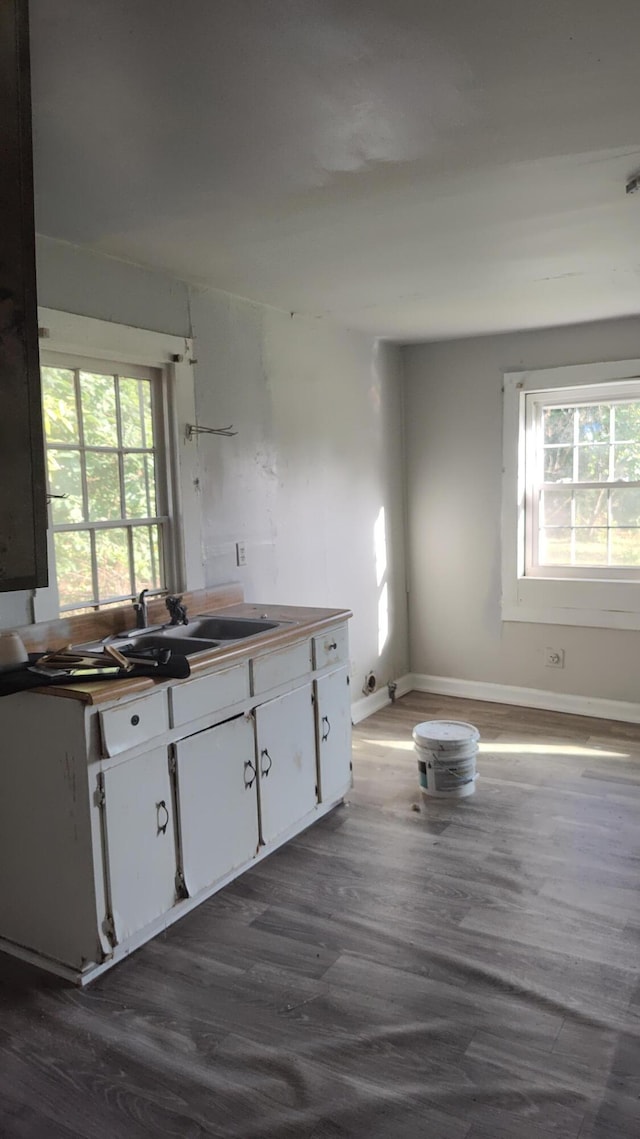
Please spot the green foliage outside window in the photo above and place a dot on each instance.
(101, 457)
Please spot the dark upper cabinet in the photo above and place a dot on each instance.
(23, 514)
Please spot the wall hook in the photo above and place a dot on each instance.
(196, 429)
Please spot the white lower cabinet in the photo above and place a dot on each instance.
(285, 741)
(117, 819)
(333, 721)
(217, 796)
(139, 842)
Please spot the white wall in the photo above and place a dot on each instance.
(318, 455)
(454, 457)
(318, 451)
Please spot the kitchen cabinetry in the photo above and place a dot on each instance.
(117, 819)
(23, 520)
(334, 734)
(139, 843)
(286, 761)
(217, 796)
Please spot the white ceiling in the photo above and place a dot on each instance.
(418, 169)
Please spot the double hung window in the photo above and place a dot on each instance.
(122, 469)
(571, 495)
(105, 467)
(583, 482)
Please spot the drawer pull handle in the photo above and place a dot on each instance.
(249, 783)
(265, 770)
(332, 645)
(135, 720)
(325, 735)
(162, 827)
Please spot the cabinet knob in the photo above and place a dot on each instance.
(331, 646)
(135, 720)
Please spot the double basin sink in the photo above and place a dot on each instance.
(201, 634)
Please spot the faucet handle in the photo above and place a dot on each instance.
(177, 611)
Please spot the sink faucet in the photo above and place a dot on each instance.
(140, 607)
(177, 611)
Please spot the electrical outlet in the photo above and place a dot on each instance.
(554, 658)
(241, 554)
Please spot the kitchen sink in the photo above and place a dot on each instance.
(228, 628)
(185, 646)
(203, 632)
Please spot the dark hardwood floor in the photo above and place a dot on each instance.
(404, 969)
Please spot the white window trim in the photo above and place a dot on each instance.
(553, 601)
(64, 332)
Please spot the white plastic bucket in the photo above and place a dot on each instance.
(446, 752)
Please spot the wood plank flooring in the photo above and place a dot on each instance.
(404, 969)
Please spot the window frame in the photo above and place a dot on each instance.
(97, 342)
(581, 598)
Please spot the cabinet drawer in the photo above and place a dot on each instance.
(331, 647)
(274, 669)
(209, 694)
(134, 723)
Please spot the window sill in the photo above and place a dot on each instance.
(594, 604)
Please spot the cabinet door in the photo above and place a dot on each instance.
(139, 839)
(217, 802)
(23, 518)
(286, 761)
(333, 719)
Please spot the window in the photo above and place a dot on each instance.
(582, 467)
(125, 510)
(571, 496)
(105, 469)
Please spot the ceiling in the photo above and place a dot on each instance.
(418, 169)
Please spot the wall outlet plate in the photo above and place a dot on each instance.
(241, 554)
(554, 658)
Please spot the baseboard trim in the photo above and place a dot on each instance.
(366, 706)
(601, 708)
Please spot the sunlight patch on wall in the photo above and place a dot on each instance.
(380, 549)
(383, 618)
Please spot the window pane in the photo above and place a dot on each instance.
(593, 464)
(593, 424)
(558, 464)
(135, 411)
(555, 507)
(558, 424)
(146, 555)
(103, 485)
(73, 566)
(625, 507)
(627, 420)
(98, 396)
(112, 553)
(555, 547)
(627, 462)
(591, 547)
(591, 507)
(140, 485)
(65, 477)
(59, 405)
(625, 547)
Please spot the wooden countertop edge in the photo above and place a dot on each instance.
(103, 691)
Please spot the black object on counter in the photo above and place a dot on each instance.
(22, 679)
